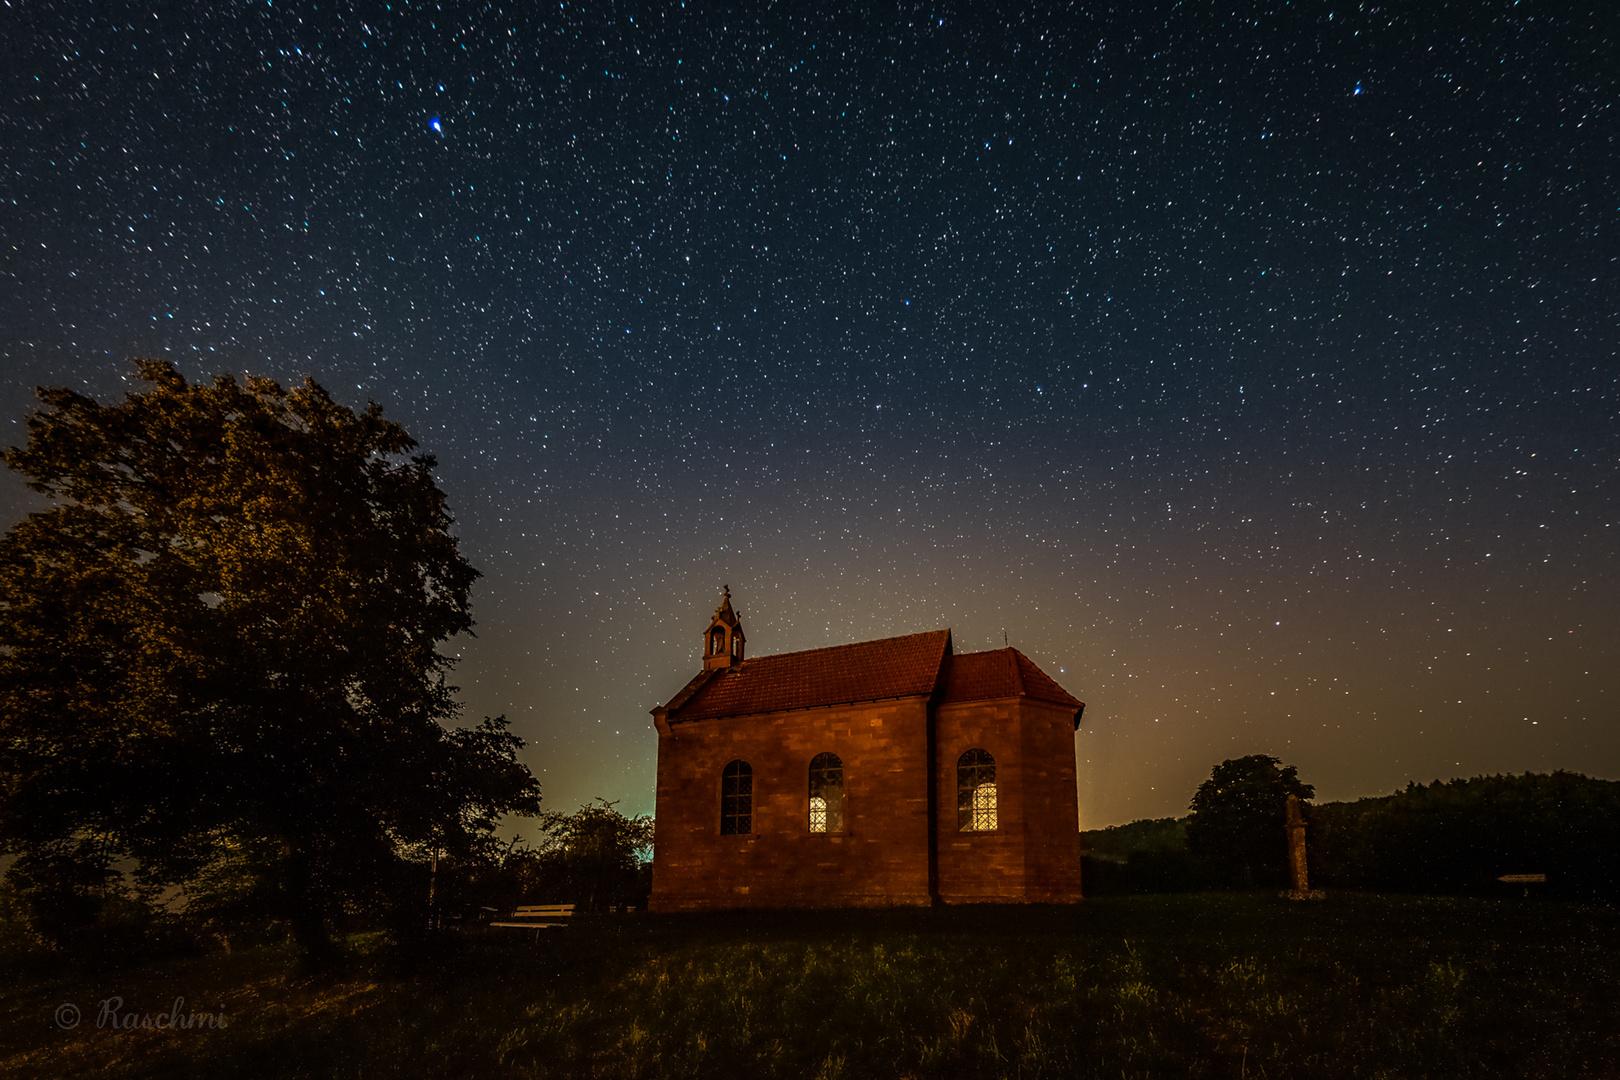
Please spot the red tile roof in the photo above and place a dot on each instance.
(914, 665)
(1001, 673)
(976, 676)
(865, 671)
(1042, 687)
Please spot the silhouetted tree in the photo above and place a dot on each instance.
(594, 856)
(221, 643)
(1459, 836)
(1235, 833)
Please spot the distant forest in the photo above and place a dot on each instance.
(1455, 837)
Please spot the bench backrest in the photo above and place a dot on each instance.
(544, 911)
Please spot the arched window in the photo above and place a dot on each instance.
(826, 794)
(737, 799)
(976, 792)
(717, 641)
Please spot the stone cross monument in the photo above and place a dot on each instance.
(1299, 887)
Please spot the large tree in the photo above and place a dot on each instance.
(224, 635)
(1236, 832)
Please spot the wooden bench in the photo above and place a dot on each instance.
(538, 917)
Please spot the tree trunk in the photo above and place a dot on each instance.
(306, 913)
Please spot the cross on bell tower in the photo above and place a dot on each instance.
(723, 641)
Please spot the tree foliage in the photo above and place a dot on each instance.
(1236, 829)
(223, 637)
(595, 858)
(1447, 837)
(1459, 836)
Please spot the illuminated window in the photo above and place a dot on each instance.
(737, 799)
(826, 794)
(976, 792)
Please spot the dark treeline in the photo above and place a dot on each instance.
(1454, 837)
(595, 858)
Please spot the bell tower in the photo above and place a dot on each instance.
(723, 641)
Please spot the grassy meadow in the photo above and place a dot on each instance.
(1192, 985)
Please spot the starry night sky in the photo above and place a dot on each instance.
(1253, 369)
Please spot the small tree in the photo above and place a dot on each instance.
(1236, 831)
(595, 856)
(219, 654)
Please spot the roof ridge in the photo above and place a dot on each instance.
(847, 645)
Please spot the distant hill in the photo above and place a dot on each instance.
(1448, 837)
(1148, 856)
(1118, 842)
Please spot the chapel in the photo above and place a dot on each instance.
(882, 772)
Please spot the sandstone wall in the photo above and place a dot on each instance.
(881, 857)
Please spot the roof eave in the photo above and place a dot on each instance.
(686, 692)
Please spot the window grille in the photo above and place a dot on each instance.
(737, 799)
(826, 794)
(976, 792)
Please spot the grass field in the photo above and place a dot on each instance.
(1239, 985)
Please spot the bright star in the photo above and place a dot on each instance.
(436, 126)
